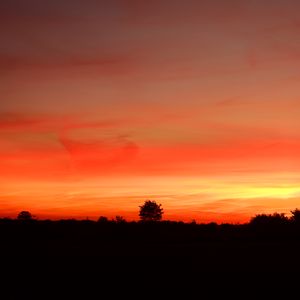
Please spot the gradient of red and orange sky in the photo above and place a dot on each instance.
(194, 104)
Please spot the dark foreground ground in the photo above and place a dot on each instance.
(127, 256)
(212, 248)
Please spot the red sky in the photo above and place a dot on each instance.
(194, 104)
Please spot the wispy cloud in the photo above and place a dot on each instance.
(38, 123)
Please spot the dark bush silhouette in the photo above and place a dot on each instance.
(103, 219)
(295, 218)
(25, 216)
(269, 219)
(151, 211)
(119, 219)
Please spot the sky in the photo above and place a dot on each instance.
(193, 104)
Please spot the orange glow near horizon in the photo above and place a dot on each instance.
(195, 105)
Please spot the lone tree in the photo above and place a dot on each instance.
(25, 216)
(151, 211)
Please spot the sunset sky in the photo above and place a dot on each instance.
(194, 104)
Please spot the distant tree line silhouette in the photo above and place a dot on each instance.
(151, 227)
(151, 211)
(275, 237)
(276, 218)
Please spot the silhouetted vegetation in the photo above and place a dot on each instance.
(274, 219)
(265, 237)
(295, 218)
(25, 216)
(119, 219)
(102, 219)
(151, 211)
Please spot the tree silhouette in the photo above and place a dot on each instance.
(151, 211)
(25, 216)
(295, 216)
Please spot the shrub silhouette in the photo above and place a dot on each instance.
(103, 219)
(25, 216)
(120, 219)
(295, 218)
(274, 219)
(151, 211)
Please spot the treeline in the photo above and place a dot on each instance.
(263, 227)
(153, 214)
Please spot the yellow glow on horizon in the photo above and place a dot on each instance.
(182, 197)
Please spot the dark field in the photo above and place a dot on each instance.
(211, 247)
(82, 259)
